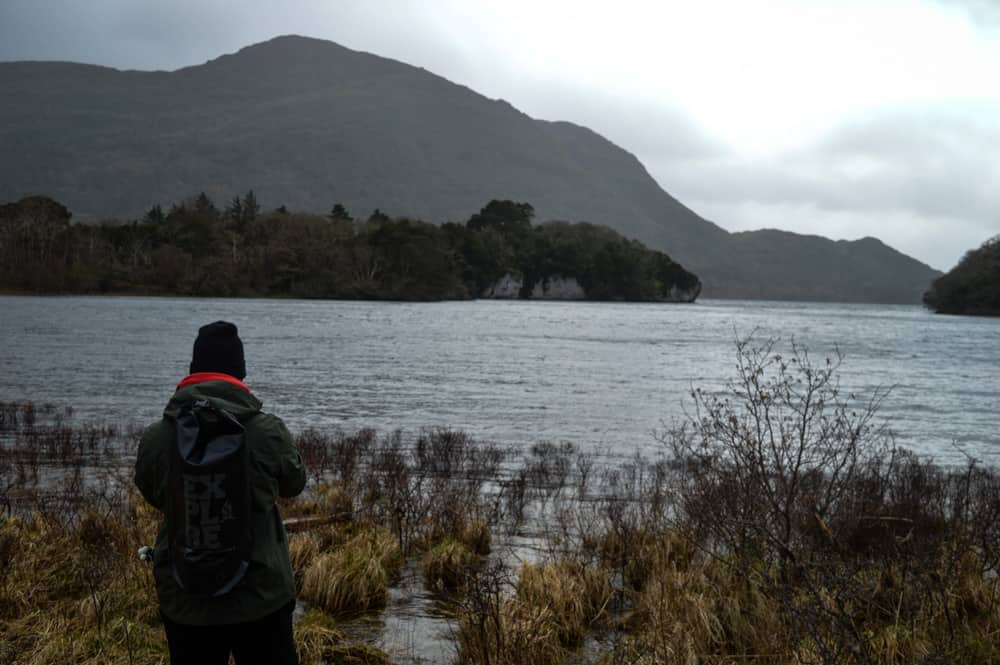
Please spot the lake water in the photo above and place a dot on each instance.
(601, 375)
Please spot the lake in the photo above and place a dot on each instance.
(604, 376)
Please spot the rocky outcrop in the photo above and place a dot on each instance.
(558, 287)
(677, 294)
(507, 287)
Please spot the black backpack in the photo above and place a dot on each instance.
(208, 514)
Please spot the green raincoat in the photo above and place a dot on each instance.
(276, 469)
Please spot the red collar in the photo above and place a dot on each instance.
(202, 377)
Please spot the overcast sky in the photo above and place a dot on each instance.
(843, 118)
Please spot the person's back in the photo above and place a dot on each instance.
(253, 618)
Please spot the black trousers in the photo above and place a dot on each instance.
(266, 641)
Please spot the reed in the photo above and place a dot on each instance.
(355, 577)
(316, 636)
(358, 654)
(446, 566)
(512, 634)
(74, 592)
(577, 595)
(475, 535)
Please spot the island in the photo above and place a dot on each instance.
(195, 248)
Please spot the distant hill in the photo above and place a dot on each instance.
(971, 287)
(307, 123)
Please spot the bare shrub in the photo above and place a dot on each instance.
(314, 446)
(549, 466)
(778, 449)
(797, 488)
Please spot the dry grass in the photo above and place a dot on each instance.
(712, 611)
(475, 535)
(577, 596)
(75, 593)
(355, 577)
(318, 641)
(514, 633)
(550, 612)
(304, 546)
(637, 553)
(358, 654)
(316, 636)
(446, 566)
(669, 563)
(688, 615)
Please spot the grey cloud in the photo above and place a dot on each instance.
(114, 33)
(904, 176)
(140, 34)
(646, 128)
(928, 163)
(985, 13)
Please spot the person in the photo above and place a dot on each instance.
(252, 620)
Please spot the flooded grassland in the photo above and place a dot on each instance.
(779, 523)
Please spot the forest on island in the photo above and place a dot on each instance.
(971, 287)
(196, 248)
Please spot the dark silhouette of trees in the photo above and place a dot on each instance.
(34, 237)
(154, 215)
(505, 216)
(35, 211)
(971, 287)
(197, 249)
(339, 213)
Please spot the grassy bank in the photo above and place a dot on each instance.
(781, 525)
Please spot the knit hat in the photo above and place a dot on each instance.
(218, 349)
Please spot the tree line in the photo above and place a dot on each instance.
(971, 287)
(196, 248)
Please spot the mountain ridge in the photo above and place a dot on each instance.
(307, 123)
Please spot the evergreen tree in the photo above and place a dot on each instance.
(234, 211)
(250, 207)
(339, 213)
(154, 215)
(203, 205)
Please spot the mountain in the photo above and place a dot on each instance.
(307, 123)
(971, 287)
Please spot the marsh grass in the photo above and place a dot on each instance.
(476, 536)
(446, 566)
(495, 628)
(578, 596)
(75, 593)
(316, 636)
(781, 527)
(355, 576)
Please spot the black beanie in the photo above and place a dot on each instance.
(218, 349)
